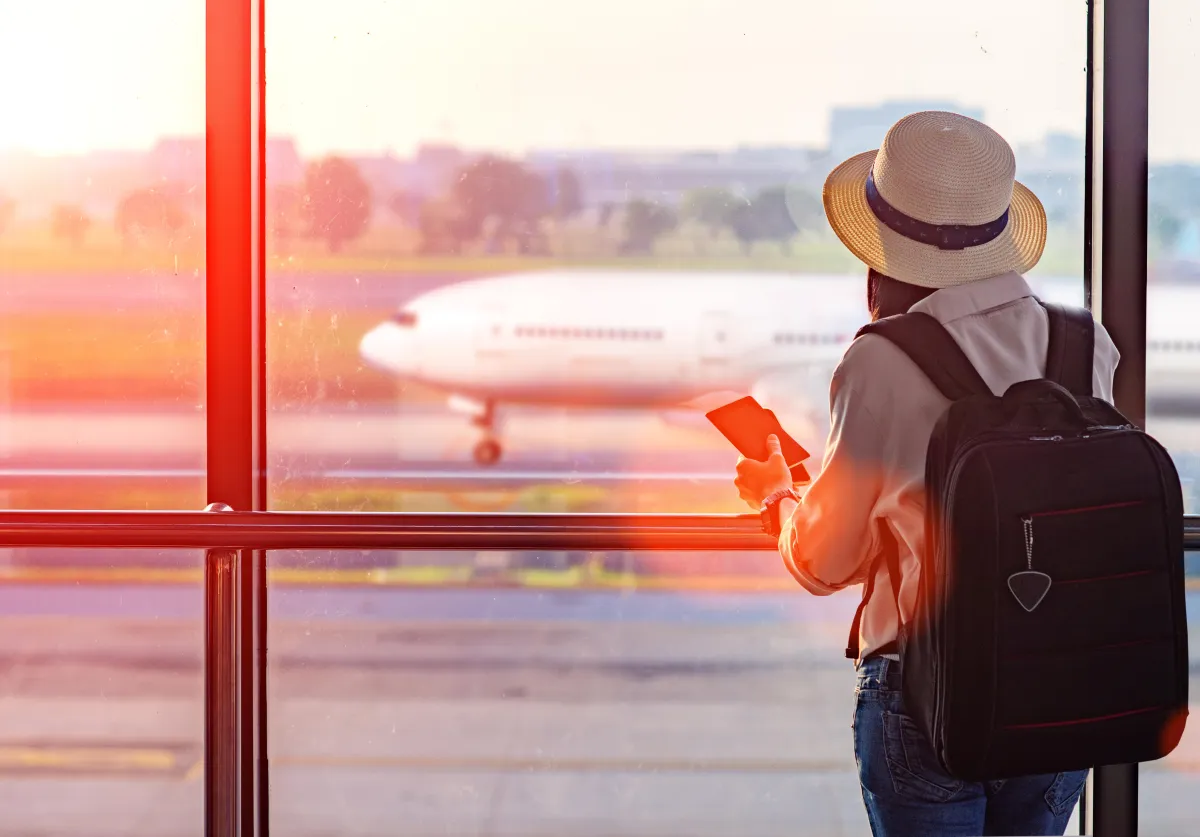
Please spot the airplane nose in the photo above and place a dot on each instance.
(387, 349)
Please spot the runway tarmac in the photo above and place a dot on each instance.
(415, 448)
(458, 713)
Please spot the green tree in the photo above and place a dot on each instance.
(806, 210)
(568, 195)
(774, 215)
(337, 202)
(443, 229)
(505, 191)
(406, 206)
(285, 215)
(69, 223)
(645, 223)
(712, 208)
(149, 212)
(1175, 188)
(775, 221)
(1165, 227)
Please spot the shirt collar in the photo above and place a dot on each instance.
(949, 304)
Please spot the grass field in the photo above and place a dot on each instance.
(138, 357)
(379, 497)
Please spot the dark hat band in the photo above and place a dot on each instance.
(942, 236)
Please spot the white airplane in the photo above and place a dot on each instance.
(669, 340)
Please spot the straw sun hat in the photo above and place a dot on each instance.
(937, 205)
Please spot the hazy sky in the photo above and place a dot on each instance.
(373, 75)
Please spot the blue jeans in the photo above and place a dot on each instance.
(908, 795)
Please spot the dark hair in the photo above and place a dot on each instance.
(887, 296)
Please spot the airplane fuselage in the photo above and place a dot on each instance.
(616, 338)
(661, 339)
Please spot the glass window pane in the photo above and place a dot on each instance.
(1172, 347)
(516, 250)
(557, 693)
(103, 691)
(1167, 788)
(102, 255)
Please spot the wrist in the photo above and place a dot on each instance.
(774, 509)
(786, 507)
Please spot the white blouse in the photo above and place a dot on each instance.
(882, 413)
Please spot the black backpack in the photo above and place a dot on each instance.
(1049, 632)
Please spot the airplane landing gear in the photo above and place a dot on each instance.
(487, 451)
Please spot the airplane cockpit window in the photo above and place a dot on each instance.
(407, 319)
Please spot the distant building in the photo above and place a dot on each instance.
(1053, 168)
(386, 176)
(284, 166)
(1057, 152)
(94, 181)
(180, 160)
(434, 169)
(616, 178)
(853, 130)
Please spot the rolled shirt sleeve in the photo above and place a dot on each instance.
(1105, 363)
(826, 542)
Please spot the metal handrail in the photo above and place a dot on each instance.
(374, 530)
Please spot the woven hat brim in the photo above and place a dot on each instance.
(1018, 248)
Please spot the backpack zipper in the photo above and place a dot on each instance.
(1027, 522)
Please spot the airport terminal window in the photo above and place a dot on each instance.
(103, 692)
(102, 255)
(526, 193)
(581, 693)
(1167, 789)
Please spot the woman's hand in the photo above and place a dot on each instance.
(758, 480)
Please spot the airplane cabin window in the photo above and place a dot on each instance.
(1169, 802)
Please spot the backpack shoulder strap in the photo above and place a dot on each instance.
(1069, 356)
(934, 350)
(890, 556)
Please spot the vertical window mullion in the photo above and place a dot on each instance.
(1121, 35)
(236, 410)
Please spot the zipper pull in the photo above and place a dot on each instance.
(1027, 522)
